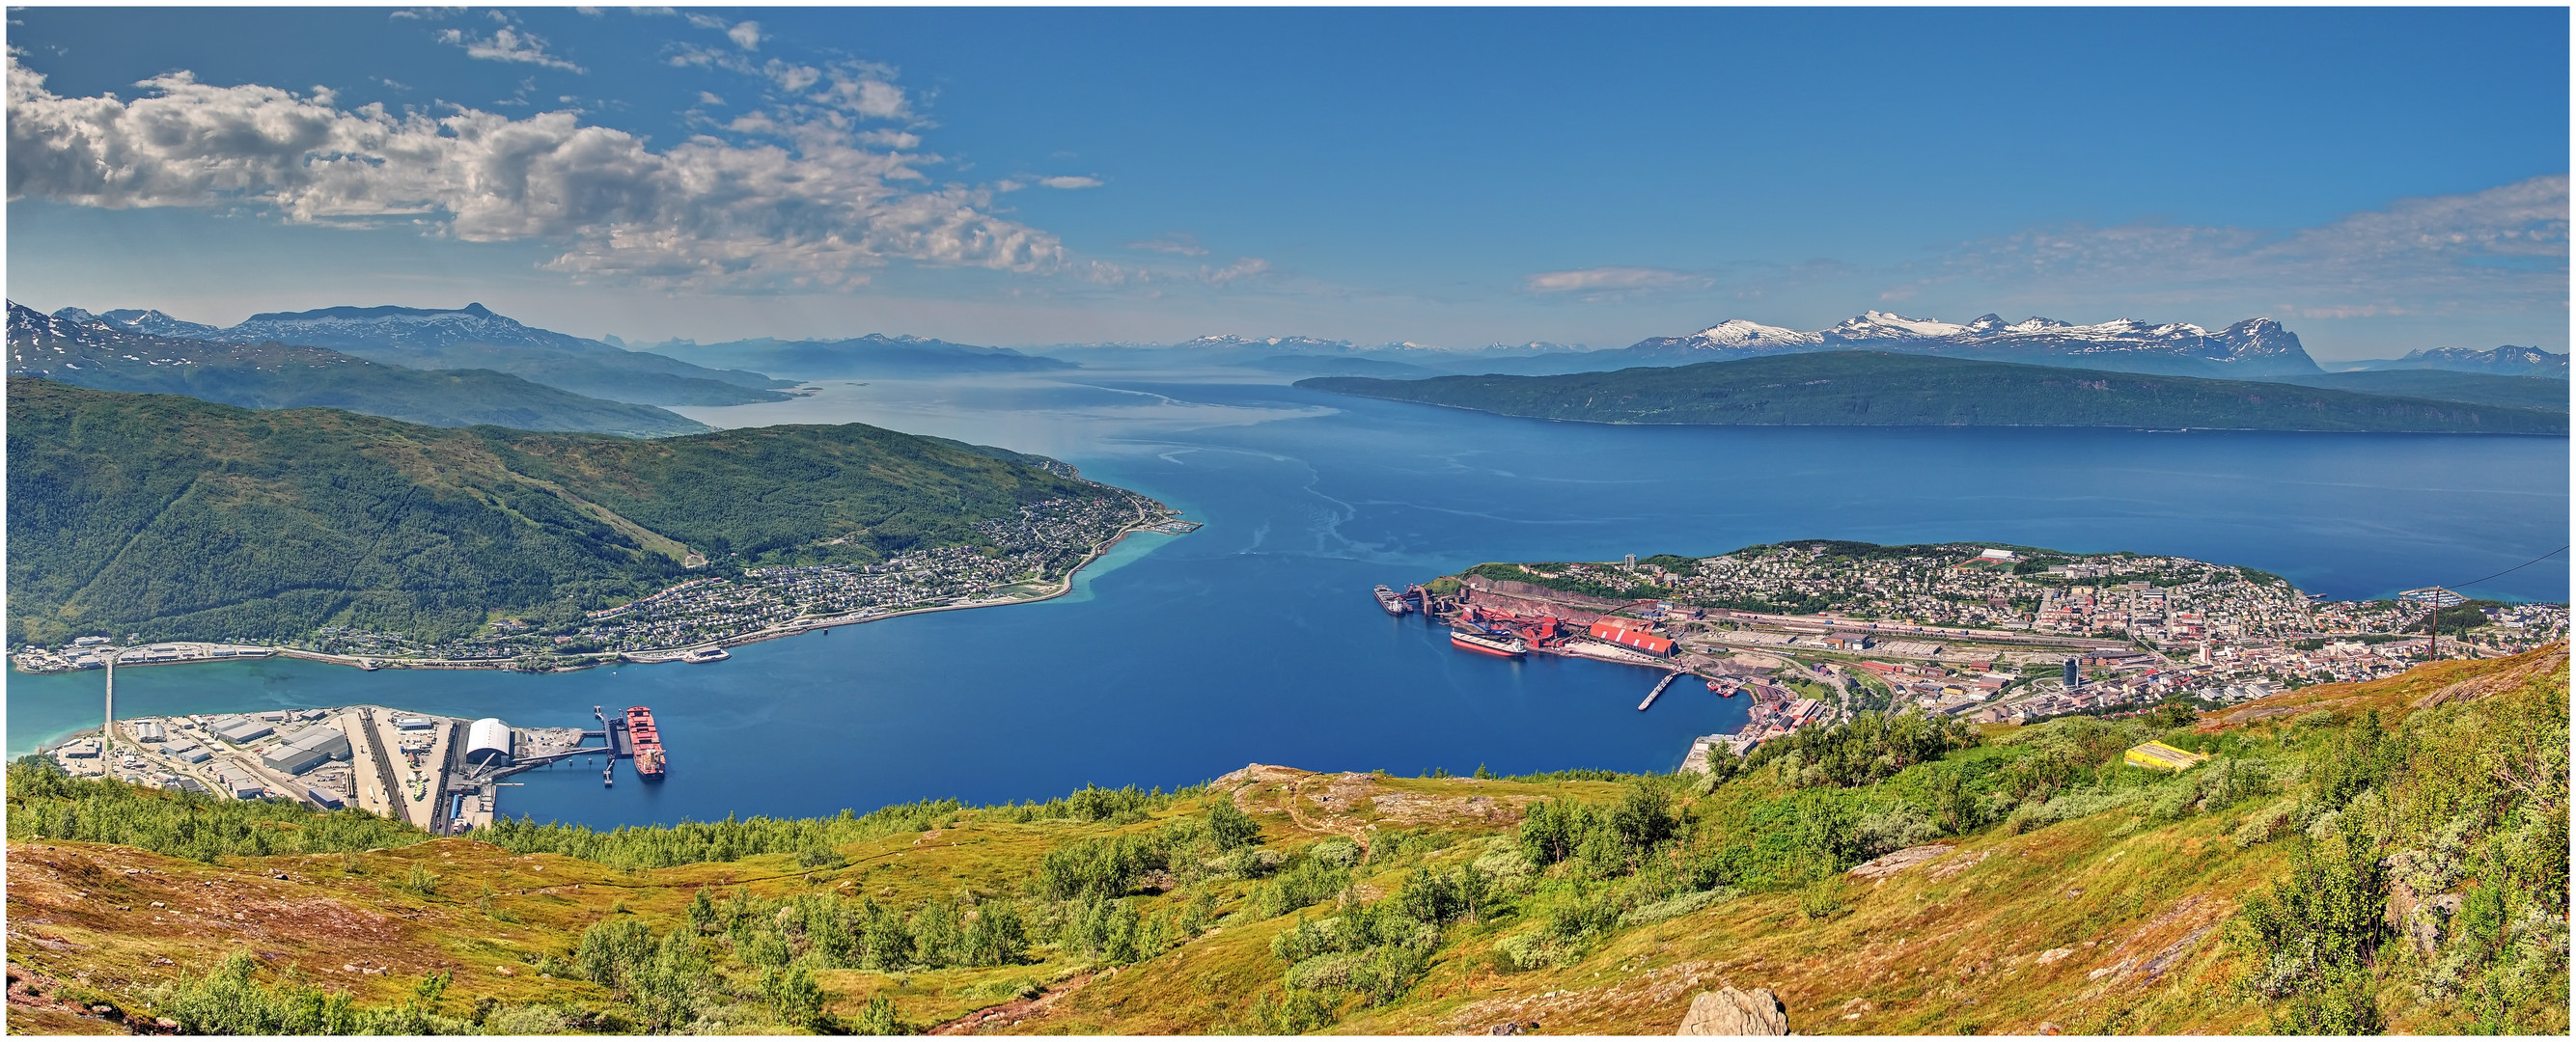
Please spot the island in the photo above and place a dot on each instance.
(1886, 389)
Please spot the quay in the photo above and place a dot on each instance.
(1658, 692)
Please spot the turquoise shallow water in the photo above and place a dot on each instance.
(1254, 639)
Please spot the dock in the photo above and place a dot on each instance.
(1660, 685)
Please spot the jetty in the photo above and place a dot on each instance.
(1660, 685)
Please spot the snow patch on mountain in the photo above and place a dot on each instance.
(2257, 346)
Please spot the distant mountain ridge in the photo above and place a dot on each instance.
(1890, 389)
(2507, 360)
(473, 337)
(2251, 349)
(875, 354)
(76, 348)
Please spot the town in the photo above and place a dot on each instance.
(1817, 630)
(1028, 558)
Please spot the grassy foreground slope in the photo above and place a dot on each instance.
(2388, 856)
(1881, 389)
(197, 520)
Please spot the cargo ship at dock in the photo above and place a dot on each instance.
(1393, 602)
(646, 742)
(1487, 644)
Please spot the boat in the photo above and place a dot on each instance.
(1487, 644)
(1723, 690)
(647, 742)
(705, 655)
(1394, 603)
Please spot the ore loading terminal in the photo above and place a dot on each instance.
(440, 773)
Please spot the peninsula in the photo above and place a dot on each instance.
(1816, 631)
(161, 520)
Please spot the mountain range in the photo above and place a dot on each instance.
(2507, 360)
(472, 337)
(74, 347)
(2251, 349)
(875, 354)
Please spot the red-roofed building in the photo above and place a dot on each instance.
(1616, 631)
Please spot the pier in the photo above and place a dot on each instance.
(1660, 685)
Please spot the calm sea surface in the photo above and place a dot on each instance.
(1255, 639)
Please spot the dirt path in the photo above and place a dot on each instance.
(1012, 1012)
(1288, 800)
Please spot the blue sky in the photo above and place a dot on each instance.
(2378, 179)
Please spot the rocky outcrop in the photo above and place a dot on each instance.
(1728, 1011)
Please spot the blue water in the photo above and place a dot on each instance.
(1255, 639)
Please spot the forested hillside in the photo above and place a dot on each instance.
(206, 521)
(1880, 389)
(2389, 856)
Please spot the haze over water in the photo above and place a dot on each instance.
(1255, 639)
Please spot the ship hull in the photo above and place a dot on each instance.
(1487, 645)
(650, 763)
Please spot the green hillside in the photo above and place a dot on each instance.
(1878, 389)
(2388, 857)
(2521, 392)
(212, 522)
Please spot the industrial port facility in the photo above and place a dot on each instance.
(440, 773)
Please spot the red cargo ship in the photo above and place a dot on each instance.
(1488, 644)
(647, 740)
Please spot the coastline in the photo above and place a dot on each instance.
(1144, 522)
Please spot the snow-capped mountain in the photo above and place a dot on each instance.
(158, 324)
(400, 327)
(2251, 348)
(2508, 360)
(471, 337)
(75, 347)
(1734, 338)
(1271, 345)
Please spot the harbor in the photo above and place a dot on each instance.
(440, 773)
(1494, 624)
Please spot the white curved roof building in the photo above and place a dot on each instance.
(487, 740)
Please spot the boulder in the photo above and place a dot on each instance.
(1727, 1011)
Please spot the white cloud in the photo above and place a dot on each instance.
(1181, 243)
(1242, 268)
(1071, 182)
(745, 35)
(2501, 247)
(804, 201)
(508, 43)
(1612, 284)
(709, 98)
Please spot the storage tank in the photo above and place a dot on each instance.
(488, 741)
